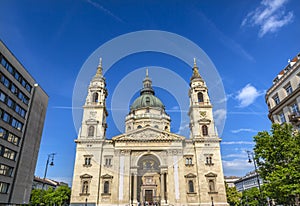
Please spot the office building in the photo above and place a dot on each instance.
(23, 105)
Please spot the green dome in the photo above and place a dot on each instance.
(147, 100)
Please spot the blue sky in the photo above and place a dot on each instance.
(249, 42)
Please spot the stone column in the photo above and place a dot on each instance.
(162, 187)
(135, 187)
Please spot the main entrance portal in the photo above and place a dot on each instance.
(149, 195)
(150, 187)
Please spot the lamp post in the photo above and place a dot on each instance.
(250, 160)
(46, 169)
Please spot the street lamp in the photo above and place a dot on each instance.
(250, 160)
(46, 169)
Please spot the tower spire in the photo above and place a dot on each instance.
(99, 72)
(195, 71)
(147, 84)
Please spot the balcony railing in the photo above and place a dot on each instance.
(294, 117)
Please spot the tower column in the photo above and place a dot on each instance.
(162, 187)
(135, 187)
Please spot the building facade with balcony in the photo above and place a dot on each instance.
(23, 105)
(283, 97)
(248, 181)
(46, 183)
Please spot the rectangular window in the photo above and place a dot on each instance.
(294, 108)
(276, 100)
(2, 96)
(28, 87)
(282, 118)
(108, 161)
(10, 69)
(5, 81)
(17, 75)
(6, 117)
(13, 139)
(20, 110)
(3, 62)
(13, 89)
(9, 154)
(289, 89)
(87, 161)
(4, 187)
(16, 124)
(5, 170)
(3, 133)
(10, 103)
(23, 82)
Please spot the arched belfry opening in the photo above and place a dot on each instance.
(149, 186)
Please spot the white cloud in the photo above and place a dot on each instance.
(183, 127)
(106, 11)
(236, 167)
(270, 16)
(243, 130)
(238, 142)
(247, 95)
(219, 116)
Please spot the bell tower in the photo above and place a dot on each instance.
(94, 110)
(206, 142)
(89, 143)
(200, 112)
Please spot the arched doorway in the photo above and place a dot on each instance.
(148, 181)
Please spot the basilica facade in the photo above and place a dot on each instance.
(148, 164)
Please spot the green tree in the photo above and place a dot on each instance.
(36, 195)
(59, 196)
(278, 158)
(233, 196)
(62, 195)
(250, 197)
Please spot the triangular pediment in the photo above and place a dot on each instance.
(106, 176)
(148, 133)
(190, 175)
(211, 175)
(86, 176)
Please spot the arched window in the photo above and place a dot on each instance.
(139, 126)
(95, 97)
(211, 185)
(156, 126)
(166, 127)
(106, 187)
(147, 100)
(191, 186)
(200, 97)
(204, 130)
(91, 131)
(85, 187)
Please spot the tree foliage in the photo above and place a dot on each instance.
(250, 197)
(233, 196)
(278, 158)
(60, 196)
